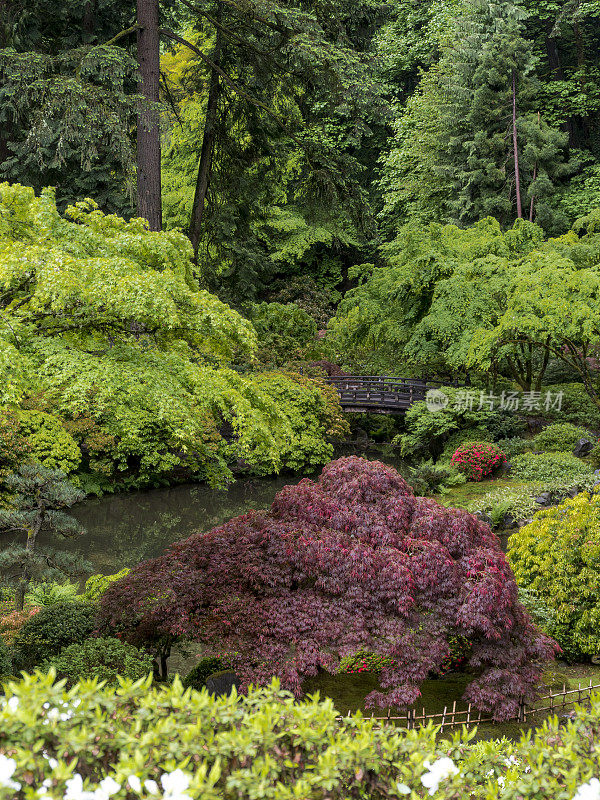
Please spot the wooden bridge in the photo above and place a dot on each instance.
(382, 394)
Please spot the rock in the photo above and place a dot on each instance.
(483, 517)
(522, 522)
(222, 682)
(509, 522)
(573, 492)
(544, 499)
(583, 448)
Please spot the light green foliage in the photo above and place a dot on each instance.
(298, 749)
(314, 417)
(557, 558)
(96, 585)
(428, 479)
(518, 499)
(430, 430)
(549, 467)
(106, 659)
(109, 314)
(514, 446)
(561, 436)
(49, 593)
(49, 442)
(283, 332)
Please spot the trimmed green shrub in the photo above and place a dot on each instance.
(96, 585)
(103, 658)
(49, 442)
(49, 593)
(562, 467)
(51, 630)
(196, 677)
(144, 741)
(514, 446)
(557, 559)
(561, 437)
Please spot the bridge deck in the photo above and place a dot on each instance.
(382, 394)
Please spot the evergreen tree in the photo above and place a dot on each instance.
(40, 496)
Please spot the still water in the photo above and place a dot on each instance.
(124, 529)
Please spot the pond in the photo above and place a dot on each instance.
(124, 529)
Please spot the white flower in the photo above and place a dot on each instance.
(151, 786)
(438, 771)
(402, 788)
(135, 783)
(501, 781)
(175, 783)
(589, 791)
(511, 760)
(7, 769)
(13, 704)
(75, 789)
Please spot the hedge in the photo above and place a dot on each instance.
(139, 741)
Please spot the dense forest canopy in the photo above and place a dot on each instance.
(297, 137)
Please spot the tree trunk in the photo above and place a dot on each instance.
(515, 146)
(89, 20)
(208, 146)
(148, 128)
(29, 548)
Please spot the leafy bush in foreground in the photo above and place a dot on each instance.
(352, 561)
(144, 741)
(557, 558)
(103, 658)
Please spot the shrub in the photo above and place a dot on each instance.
(96, 585)
(49, 593)
(428, 431)
(477, 460)
(196, 677)
(514, 446)
(114, 742)
(103, 658)
(52, 629)
(557, 559)
(561, 436)
(283, 331)
(12, 622)
(563, 467)
(353, 561)
(6, 667)
(49, 442)
(363, 661)
(428, 479)
(577, 407)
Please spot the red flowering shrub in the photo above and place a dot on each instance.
(352, 561)
(476, 460)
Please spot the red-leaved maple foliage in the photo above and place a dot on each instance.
(353, 561)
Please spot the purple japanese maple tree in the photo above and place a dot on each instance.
(352, 561)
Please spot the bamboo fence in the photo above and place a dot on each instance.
(452, 717)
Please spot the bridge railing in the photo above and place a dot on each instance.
(383, 392)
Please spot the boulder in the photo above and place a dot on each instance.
(544, 499)
(509, 522)
(222, 683)
(483, 517)
(583, 448)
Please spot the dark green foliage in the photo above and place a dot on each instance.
(41, 496)
(6, 659)
(51, 630)
(102, 658)
(67, 103)
(196, 677)
(560, 437)
(284, 331)
(428, 479)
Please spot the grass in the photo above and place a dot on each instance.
(348, 693)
